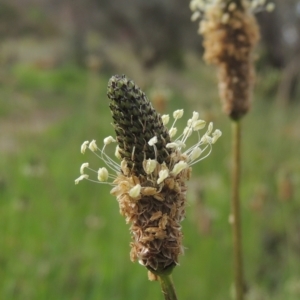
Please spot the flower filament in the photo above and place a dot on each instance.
(154, 171)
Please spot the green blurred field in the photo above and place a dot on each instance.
(61, 241)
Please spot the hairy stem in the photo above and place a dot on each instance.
(167, 287)
(235, 211)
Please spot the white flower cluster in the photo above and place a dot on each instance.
(198, 7)
(193, 125)
(192, 155)
(102, 173)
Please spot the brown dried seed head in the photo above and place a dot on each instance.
(155, 218)
(229, 45)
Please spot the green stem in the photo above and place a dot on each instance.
(235, 211)
(167, 287)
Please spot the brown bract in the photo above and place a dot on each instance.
(155, 216)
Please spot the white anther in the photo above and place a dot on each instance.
(177, 114)
(124, 167)
(162, 175)
(153, 141)
(195, 116)
(180, 144)
(83, 166)
(84, 146)
(195, 153)
(102, 174)
(217, 133)
(172, 131)
(199, 124)
(117, 153)
(193, 5)
(93, 146)
(109, 140)
(270, 7)
(135, 191)
(196, 15)
(210, 128)
(172, 145)
(150, 165)
(206, 139)
(179, 167)
(165, 119)
(84, 176)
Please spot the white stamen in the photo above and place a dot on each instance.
(109, 140)
(217, 133)
(162, 175)
(270, 7)
(150, 165)
(84, 176)
(179, 167)
(153, 141)
(194, 5)
(187, 132)
(135, 191)
(102, 174)
(165, 119)
(93, 146)
(84, 146)
(124, 167)
(210, 128)
(195, 16)
(171, 145)
(83, 166)
(195, 116)
(177, 114)
(195, 153)
(172, 131)
(206, 139)
(180, 144)
(117, 153)
(197, 125)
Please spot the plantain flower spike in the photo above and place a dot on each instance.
(149, 180)
(230, 33)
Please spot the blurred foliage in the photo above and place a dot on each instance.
(16, 22)
(62, 241)
(68, 79)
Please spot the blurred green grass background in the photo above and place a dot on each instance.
(61, 241)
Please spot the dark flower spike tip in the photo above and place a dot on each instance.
(136, 122)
